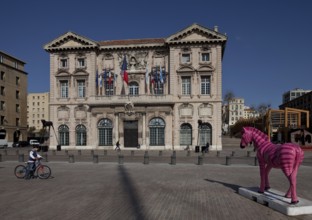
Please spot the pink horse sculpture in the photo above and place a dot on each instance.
(286, 156)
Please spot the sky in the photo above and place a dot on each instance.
(268, 51)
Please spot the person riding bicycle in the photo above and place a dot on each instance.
(31, 163)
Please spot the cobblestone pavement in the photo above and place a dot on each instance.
(109, 189)
(85, 190)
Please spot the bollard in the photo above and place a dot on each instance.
(92, 152)
(160, 153)
(46, 157)
(200, 160)
(227, 160)
(173, 159)
(53, 152)
(256, 161)
(95, 158)
(248, 153)
(66, 152)
(79, 152)
(21, 158)
(71, 158)
(0, 157)
(233, 152)
(218, 153)
(17, 152)
(120, 159)
(188, 153)
(105, 152)
(5, 152)
(132, 153)
(146, 158)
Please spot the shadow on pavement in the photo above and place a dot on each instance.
(229, 185)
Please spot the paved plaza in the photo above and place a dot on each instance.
(134, 190)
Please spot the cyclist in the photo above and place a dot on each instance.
(31, 163)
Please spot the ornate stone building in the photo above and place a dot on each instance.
(144, 93)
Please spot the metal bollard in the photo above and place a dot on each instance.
(146, 158)
(0, 157)
(79, 152)
(95, 158)
(233, 152)
(227, 160)
(17, 152)
(5, 152)
(188, 153)
(53, 152)
(66, 152)
(218, 153)
(173, 159)
(200, 160)
(248, 153)
(120, 159)
(21, 158)
(132, 153)
(92, 152)
(71, 158)
(160, 153)
(46, 157)
(256, 161)
(105, 152)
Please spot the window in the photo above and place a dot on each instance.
(205, 85)
(185, 58)
(64, 89)
(1, 59)
(2, 105)
(81, 63)
(15, 65)
(2, 90)
(81, 88)
(205, 134)
(17, 80)
(17, 94)
(2, 120)
(2, 75)
(186, 85)
(157, 132)
(64, 63)
(17, 108)
(17, 122)
(81, 135)
(205, 57)
(109, 88)
(186, 134)
(105, 129)
(64, 135)
(133, 88)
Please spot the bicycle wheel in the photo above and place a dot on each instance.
(20, 171)
(43, 172)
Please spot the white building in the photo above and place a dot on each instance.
(172, 84)
(293, 94)
(37, 109)
(236, 110)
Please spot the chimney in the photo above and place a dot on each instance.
(216, 28)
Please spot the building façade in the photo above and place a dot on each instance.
(142, 93)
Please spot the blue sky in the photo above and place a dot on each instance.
(268, 50)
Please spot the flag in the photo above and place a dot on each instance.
(161, 79)
(104, 76)
(100, 80)
(124, 70)
(97, 79)
(109, 78)
(147, 76)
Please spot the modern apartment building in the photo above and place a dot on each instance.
(13, 97)
(293, 94)
(37, 109)
(142, 93)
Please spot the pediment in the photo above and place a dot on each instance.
(184, 69)
(205, 68)
(70, 40)
(196, 33)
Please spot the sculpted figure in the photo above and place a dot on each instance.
(287, 157)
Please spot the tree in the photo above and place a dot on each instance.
(263, 108)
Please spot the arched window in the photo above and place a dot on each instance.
(157, 132)
(186, 134)
(133, 88)
(64, 135)
(81, 135)
(105, 129)
(205, 134)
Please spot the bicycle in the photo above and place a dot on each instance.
(41, 171)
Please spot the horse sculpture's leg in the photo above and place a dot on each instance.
(262, 177)
(267, 171)
(292, 191)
